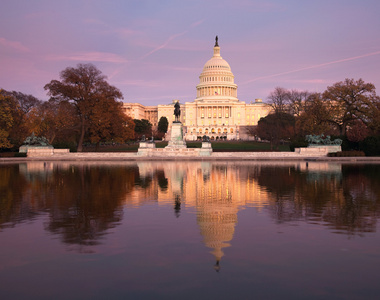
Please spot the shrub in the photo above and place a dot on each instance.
(20, 154)
(352, 153)
(66, 145)
(297, 143)
(371, 145)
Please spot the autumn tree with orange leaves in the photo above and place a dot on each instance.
(108, 122)
(95, 102)
(55, 120)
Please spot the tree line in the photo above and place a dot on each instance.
(84, 108)
(349, 109)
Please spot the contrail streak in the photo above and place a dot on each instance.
(172, 37)
(313, 67)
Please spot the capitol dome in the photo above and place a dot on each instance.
(216, 80)
(217, 63)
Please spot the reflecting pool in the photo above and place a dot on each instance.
(189, 230)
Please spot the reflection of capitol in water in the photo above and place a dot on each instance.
(216, 191)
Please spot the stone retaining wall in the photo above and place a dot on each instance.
(169, 152)
(162, 153)
(175, 153)
(36, 152)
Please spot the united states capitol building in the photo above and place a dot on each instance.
(216, 111)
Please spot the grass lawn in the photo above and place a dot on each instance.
(220, 146)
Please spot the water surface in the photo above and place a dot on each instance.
(206, 230)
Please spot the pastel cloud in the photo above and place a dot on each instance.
(90, 57)
(14, 45)
(138, 82)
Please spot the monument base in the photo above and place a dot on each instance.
(145, 147)
(27, 148)
(176, 139)
(176, 146)
(318, 150)
(206, 149)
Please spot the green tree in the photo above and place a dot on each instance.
(86, 88)
(275, 128)
(163, 124)
(349, 100)
(142, 127)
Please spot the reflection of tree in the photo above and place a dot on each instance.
(361, 208)
(13, 207)
(82, 201)
(142, 181)
(87, 201)
(347, 202)
(278, 182)
(162, 180)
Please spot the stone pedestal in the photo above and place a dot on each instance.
(149, 145)
(27, 148)
(318, 150)
(145, 148)
(176, 138)
(206, 149)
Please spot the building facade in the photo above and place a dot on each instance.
(216, 111)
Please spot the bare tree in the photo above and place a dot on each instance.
(297, 100)
(279, 100)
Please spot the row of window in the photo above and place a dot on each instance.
(217, 67)
(215, 115)
(217, 78)
(220, 108)
(219, 130)
(216, 92)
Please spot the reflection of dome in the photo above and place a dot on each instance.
(216, 79)
(217, 224)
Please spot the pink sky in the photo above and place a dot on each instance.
(154, 51)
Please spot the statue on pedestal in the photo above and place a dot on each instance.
(33, 140)
(177, 112)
